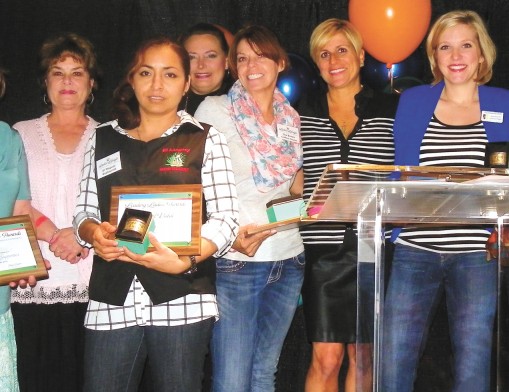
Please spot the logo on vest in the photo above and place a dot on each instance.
(176, 160)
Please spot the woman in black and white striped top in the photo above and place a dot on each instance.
(450, 145)
(371, 142)
(344, 123)
(446, 124)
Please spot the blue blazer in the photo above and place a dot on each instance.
(416, 106)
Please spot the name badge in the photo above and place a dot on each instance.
(495, 117)
(289, 133)
(108, 165)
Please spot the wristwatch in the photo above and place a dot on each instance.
(193, 268)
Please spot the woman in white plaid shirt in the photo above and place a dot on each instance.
(145, 306)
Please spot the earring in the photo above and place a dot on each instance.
(45, 99)
(187, 101)
(90, 99)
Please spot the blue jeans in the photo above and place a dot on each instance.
(418, 278)
(114, 360)
(257, 301)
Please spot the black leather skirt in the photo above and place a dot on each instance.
(330, 291)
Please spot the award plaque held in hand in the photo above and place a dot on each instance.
(176, 212)
(20, 255)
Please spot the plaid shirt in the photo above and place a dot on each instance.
(220, 228)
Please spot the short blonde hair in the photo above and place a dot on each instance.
(486, 45)
(326, 30)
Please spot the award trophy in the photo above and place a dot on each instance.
(132, 231)
(497, 154)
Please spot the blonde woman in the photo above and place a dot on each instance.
(447, 123)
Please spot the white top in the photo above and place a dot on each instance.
(252, 202)
(54, 182)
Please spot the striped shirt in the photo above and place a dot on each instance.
(371, 142)
(450, 145)
(220, 228)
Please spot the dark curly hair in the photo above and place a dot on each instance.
(67, 44)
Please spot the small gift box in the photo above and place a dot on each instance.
(497, 154)
(133, 228)
(285, 208)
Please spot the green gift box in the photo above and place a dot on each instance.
(285, 208)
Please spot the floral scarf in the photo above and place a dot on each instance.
(274, 160)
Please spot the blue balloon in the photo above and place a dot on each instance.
(376, 75)
(298, 79)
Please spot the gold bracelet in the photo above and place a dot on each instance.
(53, 236)
(135, 225)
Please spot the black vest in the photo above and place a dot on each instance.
(145, 163)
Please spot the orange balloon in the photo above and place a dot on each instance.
(227, 35)
(391, 29)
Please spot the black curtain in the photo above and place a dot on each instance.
(113, 26)
(117, 26)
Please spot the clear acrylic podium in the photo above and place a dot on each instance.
(374, 197)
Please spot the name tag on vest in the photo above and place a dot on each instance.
(108, 165)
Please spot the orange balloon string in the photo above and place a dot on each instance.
(390, 76)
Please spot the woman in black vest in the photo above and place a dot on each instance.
(146, 307)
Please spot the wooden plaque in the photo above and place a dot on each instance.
(176, 212)
(286, 224)
(20, 255)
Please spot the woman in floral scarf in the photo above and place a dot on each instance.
(259, 280)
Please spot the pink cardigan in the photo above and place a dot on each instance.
(54, 182)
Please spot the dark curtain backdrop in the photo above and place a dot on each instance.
(117, 26)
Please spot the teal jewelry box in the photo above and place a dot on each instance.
(133, 229)
(285, 208)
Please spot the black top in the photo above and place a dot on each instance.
(191, 100)
(323, 143)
